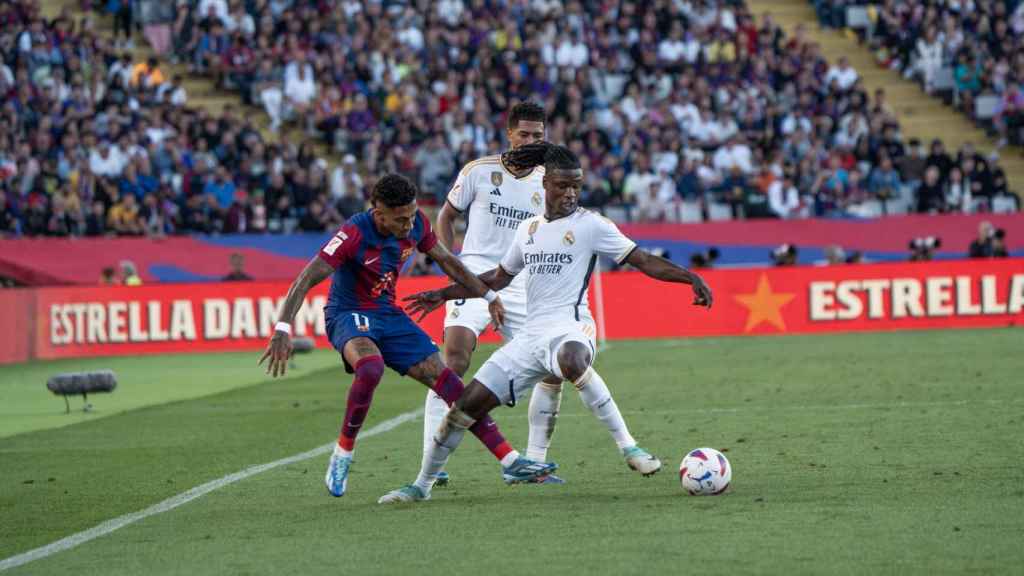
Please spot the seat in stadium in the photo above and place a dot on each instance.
(690, 212)
(718, 212)
(985, 106)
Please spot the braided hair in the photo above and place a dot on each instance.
(550, 156)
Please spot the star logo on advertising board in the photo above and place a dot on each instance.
(764, 306)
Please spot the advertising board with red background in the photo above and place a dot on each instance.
(177, 318)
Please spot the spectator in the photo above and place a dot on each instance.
(928, 57)
(106, 160)
(958, 193)
(639, 182)
(347, 187)
(220, 188)
(990, 243)
(649, 207)
(436, 166)
(884, 181)
(842, 74)
(734, 155)
(1009, 118)
(237, 273)
(931, 196)
(129, 276)
(784, 198)
(123, 217)
(147, 75)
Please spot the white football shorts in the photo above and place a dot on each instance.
(472, 313)
(512, 371)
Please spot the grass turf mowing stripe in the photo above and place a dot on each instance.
(188, 496)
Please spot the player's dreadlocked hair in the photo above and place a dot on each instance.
(394, 190)
(529, 111)
(550, 156)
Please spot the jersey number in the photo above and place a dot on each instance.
(362, 322)
(335, 242)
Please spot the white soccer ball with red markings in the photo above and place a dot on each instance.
(705, 472)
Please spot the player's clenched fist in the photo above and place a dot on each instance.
(279, 350)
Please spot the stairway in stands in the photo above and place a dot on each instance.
(202, 92)
(920, 115)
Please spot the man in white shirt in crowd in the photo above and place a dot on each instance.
(784, 198)
(842, 73)
(106, 160)
(734, 154)
(639, 179)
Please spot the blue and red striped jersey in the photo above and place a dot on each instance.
(366, 264)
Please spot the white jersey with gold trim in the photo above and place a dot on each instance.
(494, 202)
(557, 258)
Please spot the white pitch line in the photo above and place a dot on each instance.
(186, 497)
(811, 407)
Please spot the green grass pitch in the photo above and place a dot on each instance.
(894, 453)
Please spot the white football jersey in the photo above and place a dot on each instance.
(494, 202)
(557, 258)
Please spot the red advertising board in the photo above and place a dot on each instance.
(72, 322)
(898, 296)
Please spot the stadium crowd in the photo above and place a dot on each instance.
(980, 41)
(668, 103)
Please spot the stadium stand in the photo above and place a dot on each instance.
(682, 112)
(970, 54)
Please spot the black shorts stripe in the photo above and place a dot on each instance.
(586, 283)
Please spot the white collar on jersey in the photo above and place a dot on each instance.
(571, 214)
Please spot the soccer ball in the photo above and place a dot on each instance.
(705, 472)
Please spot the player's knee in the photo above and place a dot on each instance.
(370, 370)
(552, 384)
(573, 360)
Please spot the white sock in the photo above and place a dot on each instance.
(339, 451)
(510, 458)
(446, 440)
(595, 394)
(544, 405)
(434, 412)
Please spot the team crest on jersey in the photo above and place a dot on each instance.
(406, 253)
(496, 178)
(455, 313)
(536, 199)
(532, 229)
(569, 239)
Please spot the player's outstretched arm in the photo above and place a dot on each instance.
(665, 270)
(280, 347)
(424, 303)
(475, 286)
